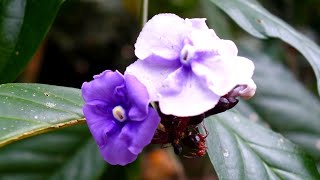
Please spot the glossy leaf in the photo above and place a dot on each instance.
(66, 154)
(256, 20)
(29, 109)
(241, 149)
(23, 25)
(285, 104)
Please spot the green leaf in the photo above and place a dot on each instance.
(285, 104)
(29, 109)
(23, 25)
(256, 20)
(67, 154)
(240, 149)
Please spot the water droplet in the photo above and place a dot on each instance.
(38, 87)
(46, 94)
(4, 128)
(25, 90)
(33, 94)
(280, 141)
(36, 117)
(50, 104)
(236, 119)
(226, 153)
(21, 109)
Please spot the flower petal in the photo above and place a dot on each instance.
(162, 35)
(193, 99)
(151, 72)
(115, 151)
(227, 48)
(100, 121)
(197, 23)
(204, 39)
(138, 97)
(140, 133)
(223, 73)
(102, 87)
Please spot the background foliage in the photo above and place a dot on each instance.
(80, 45)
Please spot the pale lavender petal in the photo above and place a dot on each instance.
(205, 40)
(193, 99)
(140, 134)
(197, 23)
(138, 97)
(151, 72)
(227, 48)
(163, 36)
(222, 74)
(102, 87)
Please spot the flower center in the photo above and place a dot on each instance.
(119, 113)
(187, 53)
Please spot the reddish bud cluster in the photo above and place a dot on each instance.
(182, 132)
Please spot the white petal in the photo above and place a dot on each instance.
(152, 72)
(222, 74)
(193, 99)
(163, 36)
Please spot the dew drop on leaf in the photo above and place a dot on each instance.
(226, 153)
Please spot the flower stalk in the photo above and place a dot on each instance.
(144, 12)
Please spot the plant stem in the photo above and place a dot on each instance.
(144, 12)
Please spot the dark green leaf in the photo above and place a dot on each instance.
(66, 154)
(23, 25)
(241, 149)
(29, 109)
(285, 104)
(247, 111)
(256, 20)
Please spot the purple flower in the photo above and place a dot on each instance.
(118, 115)
(187, 67)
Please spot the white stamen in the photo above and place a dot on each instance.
(186, 54)
(119, 113)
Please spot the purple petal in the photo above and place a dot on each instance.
(163, 36)
(138, 97)
(140, 134)
(151, 72)
(115, 151)
(222, 73)
(100, 122)
(102, 87)
(193, 99)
